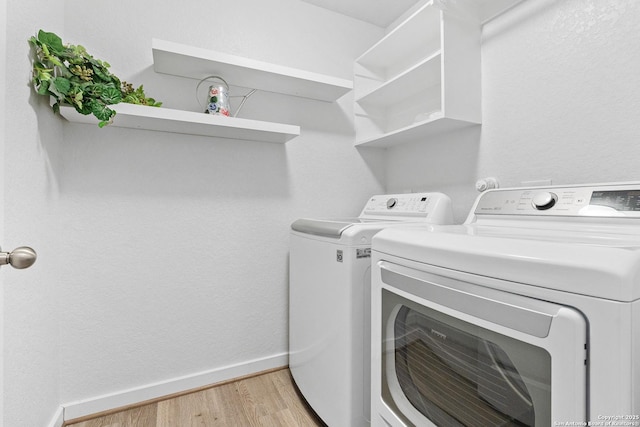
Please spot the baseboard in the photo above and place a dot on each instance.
(58, 418)
(108, 402)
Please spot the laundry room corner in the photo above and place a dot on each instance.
(558, 105)
(179, 243)
(446, 163)
(557, 92)
(164, 238)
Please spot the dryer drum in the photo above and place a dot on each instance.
(455, 378)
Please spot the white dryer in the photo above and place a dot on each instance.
(330, 276)
(528, 314)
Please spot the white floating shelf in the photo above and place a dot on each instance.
(186, 122)
(419, 33)
(415, 132)
(197, 63)
(422, 75)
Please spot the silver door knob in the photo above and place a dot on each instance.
(22, 257)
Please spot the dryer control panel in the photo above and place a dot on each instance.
(605, 200)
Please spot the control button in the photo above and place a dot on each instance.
(544, 200)
(392, 202)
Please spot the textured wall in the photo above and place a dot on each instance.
(180, 243)
(164, 255)
(560, 102)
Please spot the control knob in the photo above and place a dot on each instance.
(392, 202)
(544, 200)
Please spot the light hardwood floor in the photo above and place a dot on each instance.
(270, 399)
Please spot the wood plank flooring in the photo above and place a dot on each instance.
(270, 399)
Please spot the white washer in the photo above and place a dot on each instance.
(330, 266)
(527, 314)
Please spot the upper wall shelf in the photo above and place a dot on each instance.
(196, 63)
(418, 36)
(424, 129)
(186, 122)
(421, 79)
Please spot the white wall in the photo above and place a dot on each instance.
(30, 389)
(560, 102)
(163, 255)
(174, 248)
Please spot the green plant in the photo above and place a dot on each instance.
(137, 96)
(71, 76)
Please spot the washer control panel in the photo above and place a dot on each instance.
(614, 200)
(404, 205)
(398, 204)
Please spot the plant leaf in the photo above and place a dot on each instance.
(96, 89)
(77, 99)
(130, 99)
(101, 111)
(111, 95)
(103, 123)
(43, 87)
(84, 108)
(62, 85)
(52, 40)
(101, 73)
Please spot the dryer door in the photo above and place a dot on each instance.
(458, 354)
